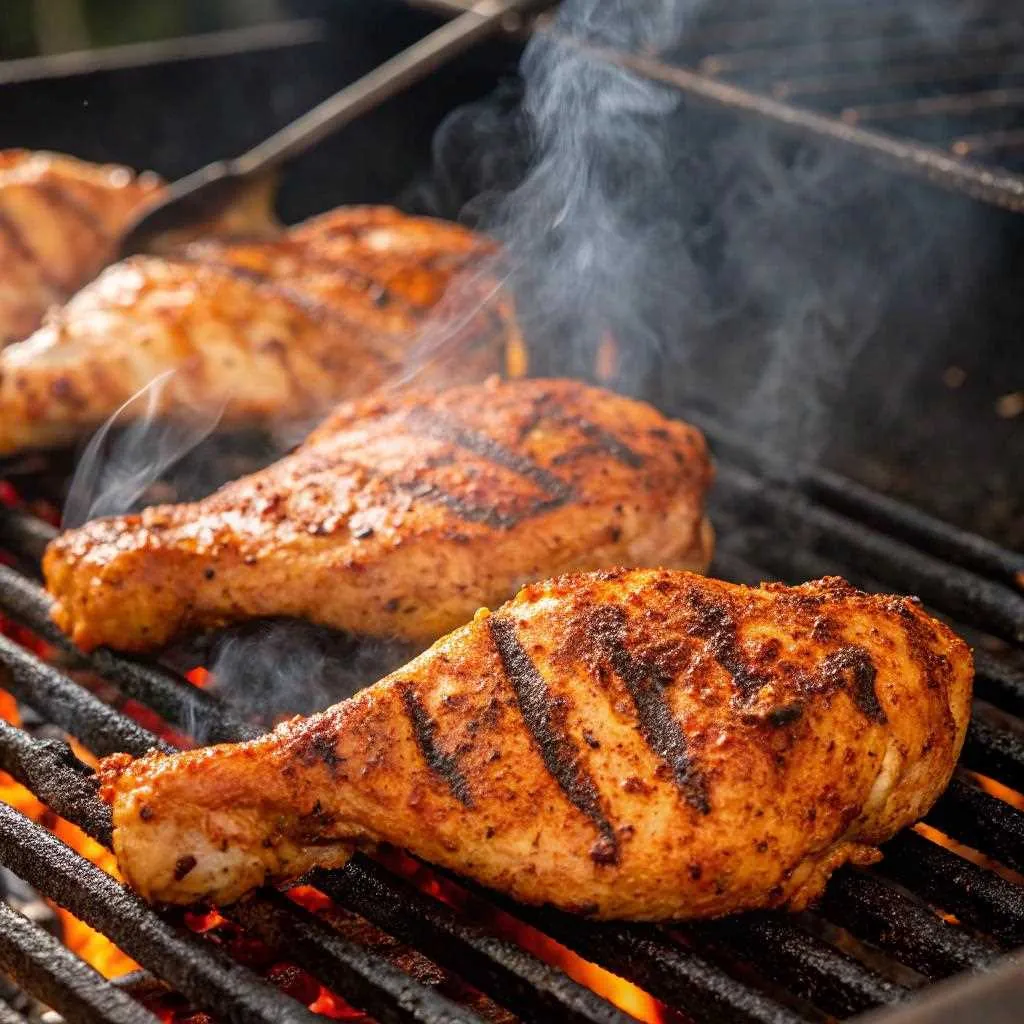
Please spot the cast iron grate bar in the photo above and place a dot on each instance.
(188, 708)
(974, 817)
(202, 973)
(882, 513)
(979, 898)
(971, 599)
(531, 988)
(875, 912)
(805, 964)
(40, 964)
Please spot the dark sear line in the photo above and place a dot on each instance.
(601, 441)
(440, 428)
(713, 623)
(10, 231)
(541, 715)
(445, 766)
(368, 287)
(315, 309)
(604, 440)
(849, 668)
(63, 199)
(485, 514)
(647, 685)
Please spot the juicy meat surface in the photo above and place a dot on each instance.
(254, 332)
(399, 517)
(60, 221)
(641, 744)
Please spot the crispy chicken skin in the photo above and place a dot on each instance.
(274, 330)
(399, 517)
(644, 744)
(60, 220)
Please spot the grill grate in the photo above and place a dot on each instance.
(874, 938)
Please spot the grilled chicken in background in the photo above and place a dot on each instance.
(60, 222)
(399, 517)
(265, 331)
(639, 744)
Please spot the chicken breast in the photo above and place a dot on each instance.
(276, 330)
(399, 517)
(641, 744)
(60, 221)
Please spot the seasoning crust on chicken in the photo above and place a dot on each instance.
(642, 744)
(254, 332)
(399, 517)
(60, 221)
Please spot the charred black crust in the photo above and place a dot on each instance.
(443, 765)
(851, 668)
(559, 754)
(713, 623)
(646, 683)
(318, 742)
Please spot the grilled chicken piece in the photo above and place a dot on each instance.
(399, 517)
(639, 744)
(60, 220)
(274, 330)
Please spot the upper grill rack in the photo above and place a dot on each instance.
(947, 74)
(759, 967)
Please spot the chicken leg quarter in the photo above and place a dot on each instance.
(399, 517)
(642, 744)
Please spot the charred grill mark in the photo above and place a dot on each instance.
(646, 683)
(601, 441)
(317, 310)
(851, 668)
(713, 622)
(605, 441)
(442, 429)
(485, 514)
(17, 243)
(445, 766)
(559, 754)
(63, 199)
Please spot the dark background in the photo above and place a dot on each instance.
(926, 412)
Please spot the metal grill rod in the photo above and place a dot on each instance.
(806, 965)
(186, 707)
(884, 514)
(204, 974)
(875, 912)
(979, 898)
(42, 964)
(534, 990)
